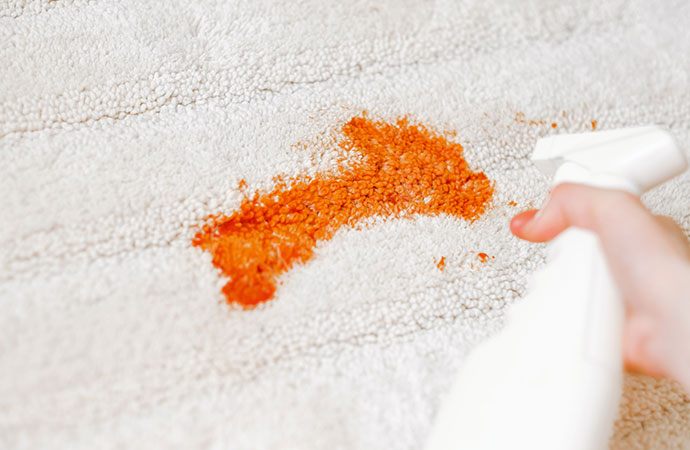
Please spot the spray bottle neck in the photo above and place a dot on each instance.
(571, 172)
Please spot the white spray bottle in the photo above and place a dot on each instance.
(552, 378)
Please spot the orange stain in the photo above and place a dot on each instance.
(483, 256)
(441, 263)
(521, 118)
(594, 124)
(404, 169)
(512, 203)
(554, 125)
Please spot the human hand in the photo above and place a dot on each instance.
(649, 258)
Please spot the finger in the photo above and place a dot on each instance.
(643, 258)
(639, 355)
(617, 217)
(519, 221)
(573, 205)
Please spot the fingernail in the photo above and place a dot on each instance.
(522, 221)
(537, 215)
(529, 225)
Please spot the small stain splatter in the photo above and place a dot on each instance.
(594, 124)
(483, 256)
(554, 125)
(441, 263)
(520, 118)
(512, 203)
(402, 169)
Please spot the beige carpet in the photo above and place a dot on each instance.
(123, 124)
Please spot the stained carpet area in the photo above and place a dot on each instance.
(125, 124)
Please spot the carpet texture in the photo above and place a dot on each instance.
(124, 124)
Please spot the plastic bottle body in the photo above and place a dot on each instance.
(552, 377)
